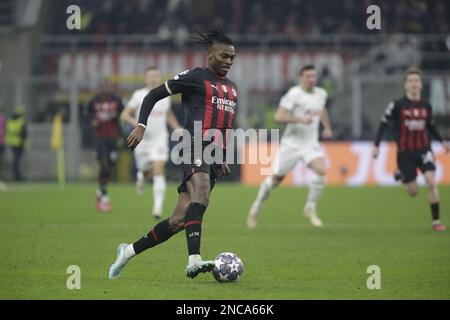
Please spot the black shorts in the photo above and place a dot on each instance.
(199, 165)
(409, 161)
(106, 149)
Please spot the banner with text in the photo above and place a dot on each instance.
(255, 70)
(349, 163)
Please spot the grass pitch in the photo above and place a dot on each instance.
(45, 228)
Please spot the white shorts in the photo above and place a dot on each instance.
(149, 151)
(288, 156)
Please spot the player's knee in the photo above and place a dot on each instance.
(321, 171)
(202, 192)
(200, 189)
(276, 180)
(413, 192)
(432, 186)
(176, 222)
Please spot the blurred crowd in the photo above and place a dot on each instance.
(289, 17)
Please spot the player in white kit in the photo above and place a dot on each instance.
(302, 108)
(152, 153)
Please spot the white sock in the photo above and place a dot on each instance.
(264, 190)
(194, 258)
(159, 191)
(140, 176)
(315, 189)
(129, 251)
(436, 222)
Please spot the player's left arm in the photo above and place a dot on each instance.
(432, 129)
(327, 133)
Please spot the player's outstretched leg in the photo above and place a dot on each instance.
(199, 190)
(264, 190)
(433, 199)
(315, 190)
(159, 234)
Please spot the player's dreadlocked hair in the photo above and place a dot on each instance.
(210, 36)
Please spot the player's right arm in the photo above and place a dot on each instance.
(284, 115)
(384, 123)
(128, 114)
(179, 84)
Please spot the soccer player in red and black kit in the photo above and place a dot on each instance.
(104, 111)
(208, 98)
(413, 126)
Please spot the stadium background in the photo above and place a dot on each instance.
(45, 227)
(47, 68)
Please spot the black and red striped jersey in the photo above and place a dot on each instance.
(105, 109)
(412, 124)
(206, 97)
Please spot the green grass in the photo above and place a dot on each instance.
(44, 229)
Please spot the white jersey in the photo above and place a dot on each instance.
(301, 103)
(157, 122)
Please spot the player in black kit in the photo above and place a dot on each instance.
(209, 99)
(104, 111)
(413, 126)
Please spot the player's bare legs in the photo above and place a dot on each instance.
(318, 166)
(264, 190)
(433, 199)
(159, 234)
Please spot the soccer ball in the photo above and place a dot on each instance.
(229, 267)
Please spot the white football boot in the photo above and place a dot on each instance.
(252, 219)
(310, 213)
(119, 264)
(197, 265)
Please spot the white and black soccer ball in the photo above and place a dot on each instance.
(229, 267)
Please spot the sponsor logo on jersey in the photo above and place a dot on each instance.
(223, 104)
(181, 74)
(415, 124)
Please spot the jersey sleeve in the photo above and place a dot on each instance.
(287, 101)
(388, 113)
(182, 82)
(134, 102)
(386, 118)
